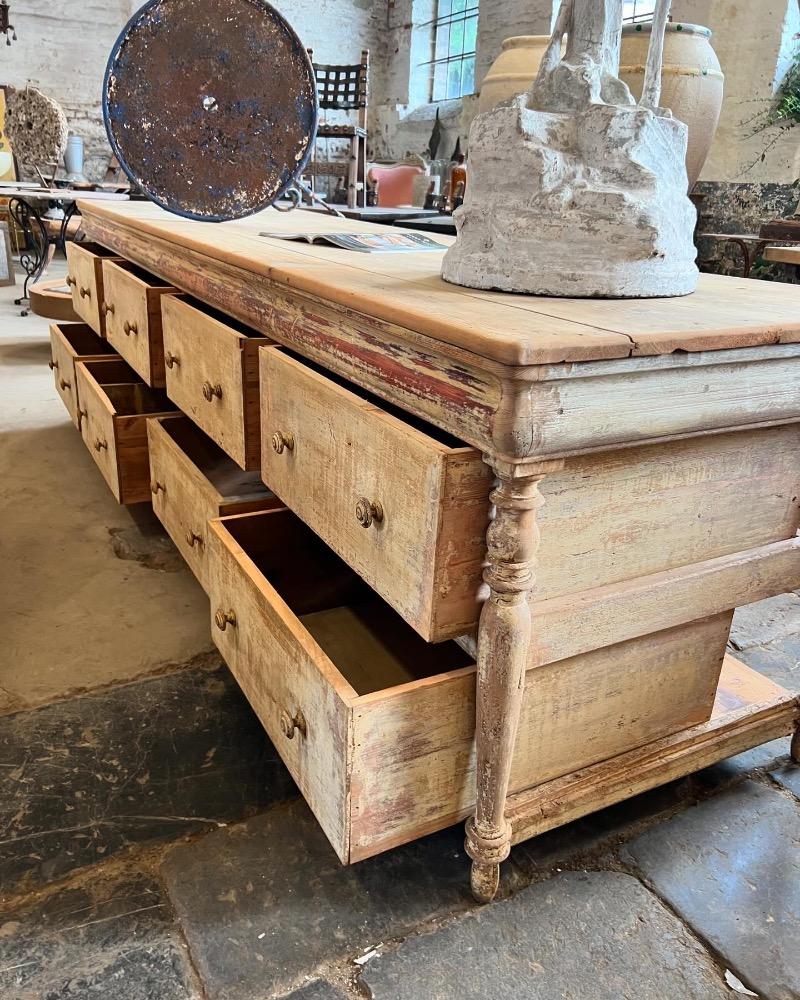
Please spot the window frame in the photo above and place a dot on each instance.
(636, 17)
(443, 22)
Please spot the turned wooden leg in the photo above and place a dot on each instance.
(503, 647)
(794, 750)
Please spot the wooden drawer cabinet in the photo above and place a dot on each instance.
(114, 406)
(402, 503)
(133, 317)
(71, 342)
(212, 375)
(85, 278)
(192, 481)
(377, 726)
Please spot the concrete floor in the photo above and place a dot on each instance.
(81, 607)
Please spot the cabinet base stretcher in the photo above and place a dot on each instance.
(749, 710)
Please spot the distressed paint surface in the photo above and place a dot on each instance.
(210, 106)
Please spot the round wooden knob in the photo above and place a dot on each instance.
(86, 293)
(64, 384)
(99, 445)
(129, 328)
(171, 360)
(156, 487)
(293, 724)
(210, 391)
(192, 539)
(368, 512)
(282, 441)
(107, 308)
(52, 365)
(71, 281)
(222, 619)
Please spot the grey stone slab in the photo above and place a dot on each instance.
(577, 936)
(779, 660)
(320, 989)
(731, 868)
(102, 938)
(267, 902)
(160, 758)
(788, 775)
(765, 621)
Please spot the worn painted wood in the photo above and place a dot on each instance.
(71, 342)
(212, 375)
(133, 318)
(425, 551)
(85, 280)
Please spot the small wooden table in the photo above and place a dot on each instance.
(643, 473)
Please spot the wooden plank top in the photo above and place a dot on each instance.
(783, 255)
(407, 290)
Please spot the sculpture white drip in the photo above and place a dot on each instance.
(574, 189)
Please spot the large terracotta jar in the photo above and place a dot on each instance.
(513, 70)
(691, 82)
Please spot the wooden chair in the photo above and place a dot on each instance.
(344, 88)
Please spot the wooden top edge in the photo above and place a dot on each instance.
(407, 290)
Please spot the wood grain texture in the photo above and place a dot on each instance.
(750, 710)
(425, 554)
(85, 263)
(515, 330)
(133, 318)
(71, 342)
(203, 350)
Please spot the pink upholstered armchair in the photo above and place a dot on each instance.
(395, 184)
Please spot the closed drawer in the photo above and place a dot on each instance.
(85, 278)
(377, 726)
(212, 374)
(133, 317)
(114, 406)
(192, 481)
(71, 342)
(402, 503)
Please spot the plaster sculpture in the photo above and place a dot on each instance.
(575, 189)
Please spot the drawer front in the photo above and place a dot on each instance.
(279, 668)
(98, 429)
(212, 375)
(406, 511)
(86, 282)
(133, 320)
(183, 500)
(64, 355)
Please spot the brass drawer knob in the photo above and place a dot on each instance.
(210, 391)
(52, 365)
(86, 293)
(156, 487)
(129, 328)
(192, 539)
(281, 441)
(99, 445)
(369, 512)
(71, 281)
(171, 360)
(81, 414)
(291, 725)
(108, 307)
(64, 384)
(222, 619)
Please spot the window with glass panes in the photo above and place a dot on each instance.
(638, 10)
(455, 37)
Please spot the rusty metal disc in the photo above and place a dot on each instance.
(210, 105)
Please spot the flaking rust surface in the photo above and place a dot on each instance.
(211, 105)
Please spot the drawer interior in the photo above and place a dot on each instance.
(220, 317)
(127, 393)
(369, 643)
(96, 250)
(151, 280)
(221, 471)
(83, 340)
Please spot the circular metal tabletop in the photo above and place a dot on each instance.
(210, 105)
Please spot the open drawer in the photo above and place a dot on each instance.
(212, 374)
(85, 279)
(377, 726)
(71, 342)
(192, 481)
(114, 408)
(404, 504)
(133, 317)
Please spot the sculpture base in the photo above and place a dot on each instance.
(585, 204)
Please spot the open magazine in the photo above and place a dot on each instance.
(365, 242)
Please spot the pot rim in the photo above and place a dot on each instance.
(645, 27)
(521, 41)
